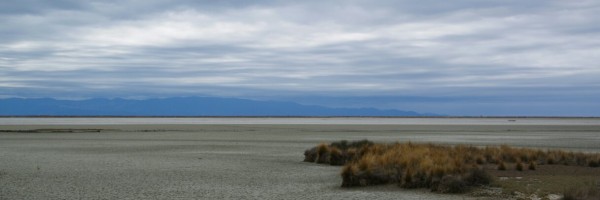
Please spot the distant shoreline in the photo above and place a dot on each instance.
(408, 117)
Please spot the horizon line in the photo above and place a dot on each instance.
(287, 116)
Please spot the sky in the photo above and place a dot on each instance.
(462, 57)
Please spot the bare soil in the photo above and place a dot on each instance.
(232, 161)
(546, 181)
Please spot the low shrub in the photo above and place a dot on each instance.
(478, 177)
(336, 157)
(337, 153)
(452, 184)
(550, 161)
(345, 145)
(480, 160)
(519, 166)
(580, 159)
(593, 163)
(323, 153)
(501, 166)
(531, 166)
(310, 155)
(349, 178)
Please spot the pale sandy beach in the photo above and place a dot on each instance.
(230, 161)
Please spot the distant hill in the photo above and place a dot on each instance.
(181, 106)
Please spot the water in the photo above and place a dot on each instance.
(291, 120)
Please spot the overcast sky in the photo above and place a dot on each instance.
(458, 57)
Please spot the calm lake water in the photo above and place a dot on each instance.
(311, 120)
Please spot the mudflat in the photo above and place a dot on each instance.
(227, 161)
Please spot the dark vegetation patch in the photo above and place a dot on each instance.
(336, 153)
(82, 130)
(444, 169)
(87, 130)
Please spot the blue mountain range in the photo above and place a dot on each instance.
(180, 106)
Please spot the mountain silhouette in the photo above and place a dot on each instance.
(179, 106)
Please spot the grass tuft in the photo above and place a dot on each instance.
(531, 166)
(519, 166)
(452, 184)
(310, 155)
(478, 177)
(322, 153)
(550, 161)
(336, 157)
(593, 163)
(501, 166)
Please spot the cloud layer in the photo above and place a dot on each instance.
(282, 49)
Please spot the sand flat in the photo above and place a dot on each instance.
(232, 161)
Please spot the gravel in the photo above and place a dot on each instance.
(225, 161)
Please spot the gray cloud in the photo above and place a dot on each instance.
(260, 49)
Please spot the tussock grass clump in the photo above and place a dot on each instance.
(345, 145)
(478, 177)
(501, 166)
(451, 184)
(336, 153)
(594, 163)
(447, 169)
(519, 166)
(323, 153)
(532, 166)
(550, 161)
(440, 168)
(336, 157)
(310, 155)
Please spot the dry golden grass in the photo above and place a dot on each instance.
(413, 166)
(501, 166)
(532, 166)
(519, 166)
(441, 168)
